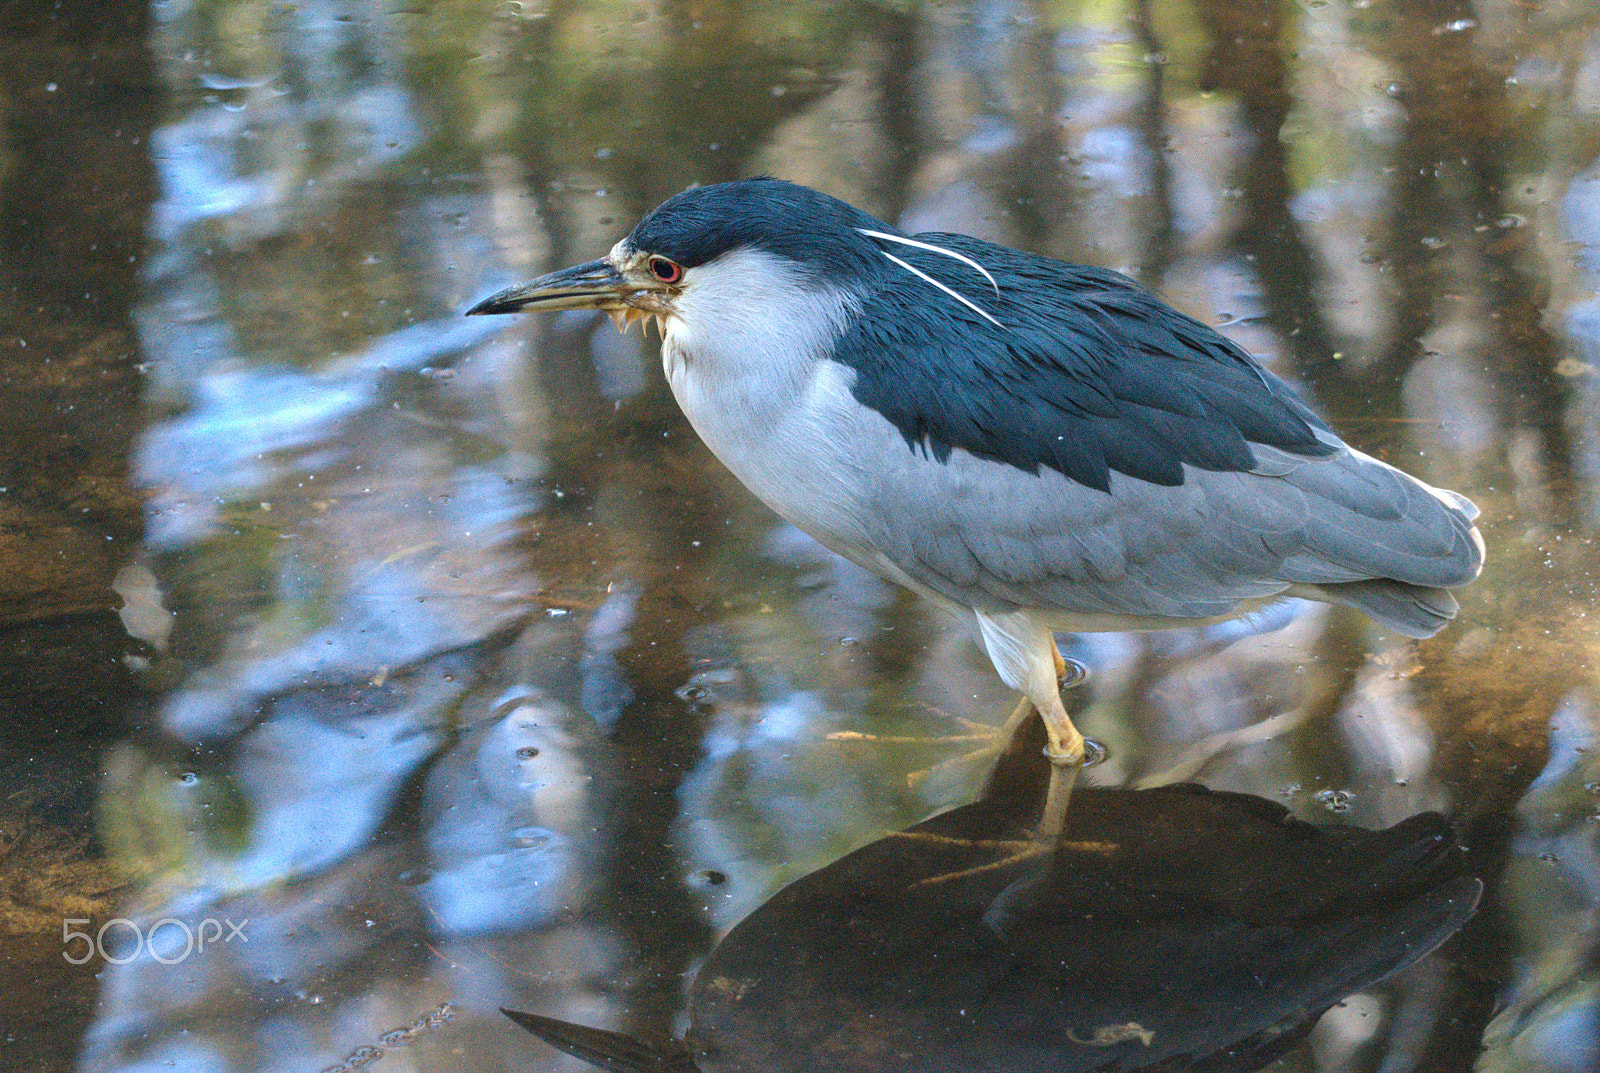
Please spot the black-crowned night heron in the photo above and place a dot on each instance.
(1036, 445)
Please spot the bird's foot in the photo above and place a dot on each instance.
(1014, 851)
(1046, 836)
(970, 731)
(1017, 851)
(976, 741)
(981, 742)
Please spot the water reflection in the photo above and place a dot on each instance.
(374, 555)
(1174, 928)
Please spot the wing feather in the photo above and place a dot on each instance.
(1068, 368)
(1344, 528)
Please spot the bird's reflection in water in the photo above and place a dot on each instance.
(1174, 929)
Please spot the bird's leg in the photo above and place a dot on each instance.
(1066, 751)
(1066, 744)
(1066, 748)
(1017, 772)
(1069, 675)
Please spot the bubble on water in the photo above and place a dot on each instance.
(1335, 800)
(531, 837)
(692, 693)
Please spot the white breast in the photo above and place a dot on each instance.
(744, 359)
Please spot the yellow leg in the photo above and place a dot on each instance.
(1066, 744)
(1066, 748)
(1068, 753)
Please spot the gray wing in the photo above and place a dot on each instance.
(1344, 528)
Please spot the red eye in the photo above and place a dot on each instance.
(664, 270)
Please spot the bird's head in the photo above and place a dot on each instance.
(732, 250)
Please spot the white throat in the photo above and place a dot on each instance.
(747, 358)
(753, 316)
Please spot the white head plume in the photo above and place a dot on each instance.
(958, 297)
(963, 258)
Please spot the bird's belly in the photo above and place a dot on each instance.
(797, 455)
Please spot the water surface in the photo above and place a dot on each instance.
(441, 659)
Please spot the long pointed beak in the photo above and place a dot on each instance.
(596, 285)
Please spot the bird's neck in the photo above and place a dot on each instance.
(751, 366)
(750, 335)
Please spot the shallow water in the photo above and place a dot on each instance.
(434, 661)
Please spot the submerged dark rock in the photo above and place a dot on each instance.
(1173, 929)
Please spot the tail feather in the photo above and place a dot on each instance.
(1411, 610)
